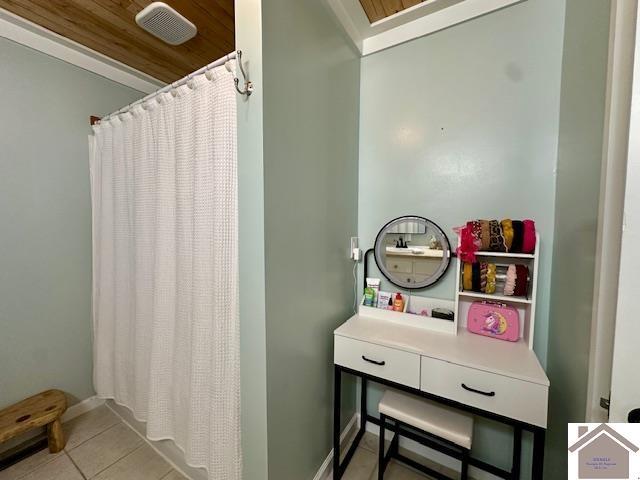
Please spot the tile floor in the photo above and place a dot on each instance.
(99, 446)
(364, 464)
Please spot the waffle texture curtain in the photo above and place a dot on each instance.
(165, 269)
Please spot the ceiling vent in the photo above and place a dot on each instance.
(164, 22)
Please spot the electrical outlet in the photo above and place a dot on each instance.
(354, 249)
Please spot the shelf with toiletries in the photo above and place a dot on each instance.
(498, 284)
(416, 312)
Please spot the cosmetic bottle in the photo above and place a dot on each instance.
(398, 303)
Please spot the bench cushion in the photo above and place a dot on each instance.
(430, 417)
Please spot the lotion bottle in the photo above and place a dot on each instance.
(398, 303)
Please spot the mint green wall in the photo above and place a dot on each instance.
(582, 110)
(311, 79)
(253, 370)
(45, 218)
(463, 124)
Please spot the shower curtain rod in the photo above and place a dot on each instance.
(237, 55)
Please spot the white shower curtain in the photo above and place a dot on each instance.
(165, 269)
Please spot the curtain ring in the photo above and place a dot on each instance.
(190, 83)
(174, 90)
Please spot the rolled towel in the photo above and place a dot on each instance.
(510, 282)
(529, 236)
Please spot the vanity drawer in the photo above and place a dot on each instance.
(399, 265)
(427, 266)
(495, 393)
(388, 363)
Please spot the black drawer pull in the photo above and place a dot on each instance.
(373, 361)
(486, 394)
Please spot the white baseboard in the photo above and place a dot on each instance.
(79, 408)
(326, 471)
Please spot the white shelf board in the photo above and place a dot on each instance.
(495, 298)
(504, 254)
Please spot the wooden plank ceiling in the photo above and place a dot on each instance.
(109, 27)
(379, 9)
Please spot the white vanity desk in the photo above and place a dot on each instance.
(490, 378)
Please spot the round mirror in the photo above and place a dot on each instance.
(412, 252)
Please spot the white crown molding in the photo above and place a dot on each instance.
(29, 34)
(422, 19)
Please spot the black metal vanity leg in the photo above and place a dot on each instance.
(538, 453)
(396, 438)
(517, 452)
(363, 403)
(464, 472)
(337, 384)
(381, 465)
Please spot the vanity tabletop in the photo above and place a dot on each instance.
(511, 359)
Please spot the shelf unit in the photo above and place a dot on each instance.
(410, 319)
(526, 306)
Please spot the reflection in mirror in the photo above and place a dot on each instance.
(412, 252)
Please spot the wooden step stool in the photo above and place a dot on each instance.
(452, 430)
(45, 408)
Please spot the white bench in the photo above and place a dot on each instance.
(447, 426)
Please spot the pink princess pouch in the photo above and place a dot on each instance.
(495, 320)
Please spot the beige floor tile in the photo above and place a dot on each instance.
(361, 465)
(28, 465)
(346, 445)
(396, 471)
(105, 449)
(143, 464)
(426, 462)
(59, 469)
(173, 475)
(370, 442)
(87, 426)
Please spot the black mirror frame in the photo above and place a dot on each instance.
(388, 277)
